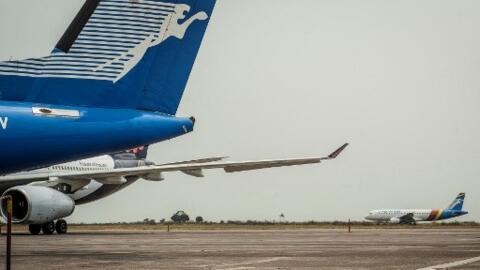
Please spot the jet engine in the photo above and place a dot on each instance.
(395, 220)
(37, 205)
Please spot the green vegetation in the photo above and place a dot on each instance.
(180, 217)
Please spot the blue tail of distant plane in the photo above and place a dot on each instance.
(457, 204)
(133, 54)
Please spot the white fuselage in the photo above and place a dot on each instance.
(100, 163)
(77, 188)
(385, 215)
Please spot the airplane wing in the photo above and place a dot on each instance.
(408, 218)
(193, 168)
(203, 160)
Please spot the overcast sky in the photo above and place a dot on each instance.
(399, 80)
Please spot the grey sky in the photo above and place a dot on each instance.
(292, 78)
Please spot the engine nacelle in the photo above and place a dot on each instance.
(37, 205)
(395, 220)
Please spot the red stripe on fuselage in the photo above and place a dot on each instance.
(433, 214)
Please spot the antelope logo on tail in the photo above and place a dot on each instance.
(171, 28)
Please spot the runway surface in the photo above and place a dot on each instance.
(240, 250)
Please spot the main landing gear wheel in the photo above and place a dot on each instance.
(61, 226)
(35, 228)
(48, 228)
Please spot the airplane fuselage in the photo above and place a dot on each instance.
(84, 190)
(33, 136)
(387, 215)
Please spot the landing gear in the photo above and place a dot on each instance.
(61, 226)
(48, 228)
(35, 228)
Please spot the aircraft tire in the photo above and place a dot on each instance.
(35, 229)
(61, 226)
(48, 228)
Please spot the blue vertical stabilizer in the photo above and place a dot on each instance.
(130, 54)
(457, 204)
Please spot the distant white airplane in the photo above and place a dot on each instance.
(412, 216)
(42, 196)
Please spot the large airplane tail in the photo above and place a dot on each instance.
(457, 204)
(135, 54)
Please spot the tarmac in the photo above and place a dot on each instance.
(241, 250)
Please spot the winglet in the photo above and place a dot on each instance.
(337, 152)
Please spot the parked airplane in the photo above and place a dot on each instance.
(412, 216)
(40, 197)
(114, 81)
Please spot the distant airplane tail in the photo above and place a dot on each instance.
(135, 54)
(457, 204)
(132, 154)
(139, 152)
